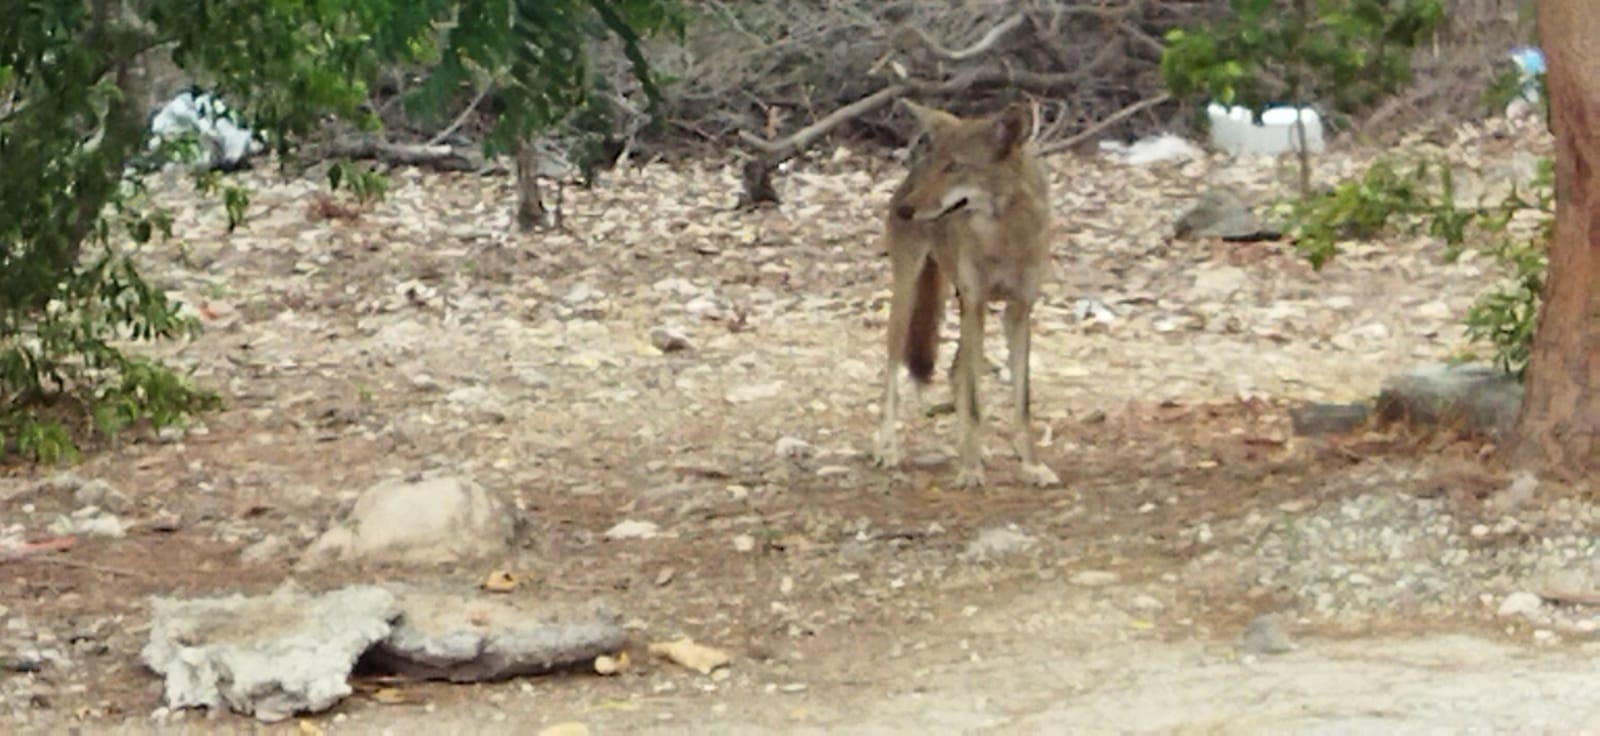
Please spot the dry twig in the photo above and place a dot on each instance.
(1097, 128)
(982, 46)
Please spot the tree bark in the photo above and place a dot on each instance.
(1558, 429)
(531, 213)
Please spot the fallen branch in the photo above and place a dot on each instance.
(435, 157)
(1099, 127)
(1572, 597)
(983, 45)
(1044, 83)
(462, 118)
(780, 150)
(38, 547)
(786, 148)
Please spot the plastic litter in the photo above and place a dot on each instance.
(1233, 130)
(224, 144)
(1530, 64)
(1157, 148)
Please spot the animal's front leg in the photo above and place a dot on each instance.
(1018, 341)
(968, 365)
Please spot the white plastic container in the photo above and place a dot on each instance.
(1232, 130)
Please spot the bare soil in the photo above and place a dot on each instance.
(425, 334)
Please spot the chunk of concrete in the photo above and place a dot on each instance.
(269, 656)
(1314, 419)
(428, 520)
(463, 638)
(1478, 399)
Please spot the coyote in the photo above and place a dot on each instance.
(974, 210)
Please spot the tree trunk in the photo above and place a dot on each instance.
(531, 213)
(1559, 427)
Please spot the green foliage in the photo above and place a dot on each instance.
(1507, 85)
(1338, 54)
(1345, 53)
(536, 51)
(1505, 316)
(1423, 199)
(235, 199)
(74, 213)
(1355, 210)
(366, 185)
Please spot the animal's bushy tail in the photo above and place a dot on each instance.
(927, 311)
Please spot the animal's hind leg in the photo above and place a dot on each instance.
(1018, 342)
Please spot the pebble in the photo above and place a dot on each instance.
(1520, 603)
(995, 542)
(793, 447)
(746, 393)
(1093, 578)
(631, 529)
(1146, 603)
(669, 340)
(1264, 635)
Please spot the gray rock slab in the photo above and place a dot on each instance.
(1314, 419)
(471, 638)
(1477, 398)
(269, 656)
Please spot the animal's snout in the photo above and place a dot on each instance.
(905, 211)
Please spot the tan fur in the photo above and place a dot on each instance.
(974, 212)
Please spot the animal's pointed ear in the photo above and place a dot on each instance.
(1011, 127)
(931, 119)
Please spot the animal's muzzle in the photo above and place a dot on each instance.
(957, 206)
(909, 212)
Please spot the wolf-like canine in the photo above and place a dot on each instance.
(973, 211)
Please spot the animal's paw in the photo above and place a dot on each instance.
(887, 455)
(970, 479)
(1039, 475)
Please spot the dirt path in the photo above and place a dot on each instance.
(423, 337)
(1076, 669)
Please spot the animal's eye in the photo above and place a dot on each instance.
(951, 167)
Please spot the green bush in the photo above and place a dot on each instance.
(73, 211)
(1338, 54)
(1421, 197)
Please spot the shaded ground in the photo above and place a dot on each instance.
(424, 336)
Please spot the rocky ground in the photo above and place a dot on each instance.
(706, 380)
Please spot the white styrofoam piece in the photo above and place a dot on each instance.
(1233, 130)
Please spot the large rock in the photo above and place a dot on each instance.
(267, 656)
(428, 520)
(440, 636)
(1221, 214)
(1478, 399)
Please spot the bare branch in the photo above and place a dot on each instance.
(782, 149)
(435, 157)
(1097, 128)
(982, 46)
(462, 118)
(1144, 39)
(787, 147)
